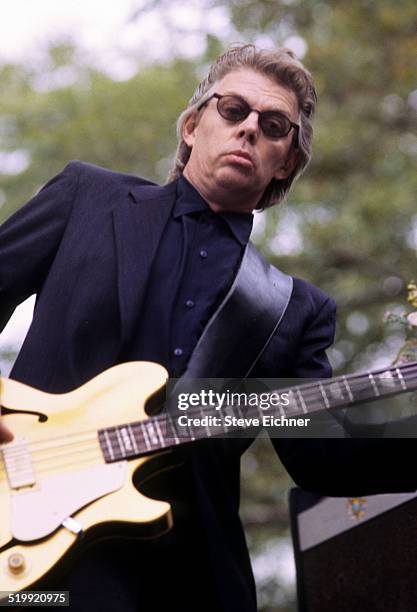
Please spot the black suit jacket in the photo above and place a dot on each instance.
(85, 245)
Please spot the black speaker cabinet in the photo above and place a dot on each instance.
(355, 554)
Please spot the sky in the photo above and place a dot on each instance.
(106, 32)
(26, 25)
(109, 36)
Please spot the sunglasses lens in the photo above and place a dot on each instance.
(274, 125)
(233, 108)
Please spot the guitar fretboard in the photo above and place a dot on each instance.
(164, 431)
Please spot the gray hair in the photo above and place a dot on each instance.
(280, 65)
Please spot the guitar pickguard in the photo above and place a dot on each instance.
(39, 511)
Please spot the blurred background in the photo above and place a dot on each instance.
(104, 82)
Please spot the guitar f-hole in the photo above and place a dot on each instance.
(42, 418)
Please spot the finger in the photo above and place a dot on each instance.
(5, 433)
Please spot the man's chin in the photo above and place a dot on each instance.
(237, 178)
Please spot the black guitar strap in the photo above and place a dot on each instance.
(241, 328)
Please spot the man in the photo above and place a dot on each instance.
(124, 270)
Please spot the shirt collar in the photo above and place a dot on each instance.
(190, 201)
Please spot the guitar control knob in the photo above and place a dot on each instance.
(16, 563)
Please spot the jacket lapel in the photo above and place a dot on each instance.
(138, 224)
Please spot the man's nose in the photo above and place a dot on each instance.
(249, 127)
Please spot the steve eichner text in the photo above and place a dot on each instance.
(233, 421)
(222, 400)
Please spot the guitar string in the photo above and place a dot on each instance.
(89, 454)
(54, 460)
(96, 457)
(305, 389)
(88, 447)
(52, 463)
(161, 419)
(76, 449)
(361, 377)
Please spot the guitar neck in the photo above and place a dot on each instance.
(163, 431)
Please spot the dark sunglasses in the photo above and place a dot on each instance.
(273, 124)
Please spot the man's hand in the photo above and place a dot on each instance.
(5, 434)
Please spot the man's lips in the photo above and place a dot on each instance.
(241, 157)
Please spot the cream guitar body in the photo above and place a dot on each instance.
(67, 477)
(56, 488)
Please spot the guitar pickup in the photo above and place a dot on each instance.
(18, 464)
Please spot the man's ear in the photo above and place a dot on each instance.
(285, 168)
(189, 130)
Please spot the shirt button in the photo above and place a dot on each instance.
(178, 352)
(203, 254)
(189, 304)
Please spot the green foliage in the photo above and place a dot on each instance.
(356, 203)
(128, 126)
(407, 320)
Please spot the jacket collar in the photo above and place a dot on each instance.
(148, 191)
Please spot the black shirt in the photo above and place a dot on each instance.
(193, 269)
